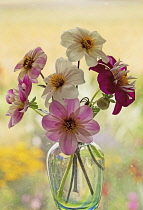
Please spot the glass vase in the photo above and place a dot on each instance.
(76, 180)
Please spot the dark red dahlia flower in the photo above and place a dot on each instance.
(113, 79)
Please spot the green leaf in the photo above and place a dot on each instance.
(33, 104)
(111, 100)
(33, 100)
(97, 151)
(95, 110)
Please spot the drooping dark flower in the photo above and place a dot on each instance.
(113, 79)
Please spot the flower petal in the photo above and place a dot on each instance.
(123, 97)
(68, 143)
(85, 139)
(19, 66)
(16, 117)
(22, 95)
(50, 122)
(69, 91)
(9, 95)
(34, 72)
(58, 95)
(75, 52)
(41, 61)
(62, 65)
(117, 108)
(84, 113)
(68, 37)
(106, 82)
(101, 54)
(48, 96)
(75, 76)
(57, 109)
(47, 90)
(90, 61)
(72, 105)
(83, 32)
(53, 136)
(92, 127)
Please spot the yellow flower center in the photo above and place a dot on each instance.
(123, 81)
(87, 42)
(57, 80)
(69, 124)
(27, 63)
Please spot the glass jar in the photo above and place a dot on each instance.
(76, 180)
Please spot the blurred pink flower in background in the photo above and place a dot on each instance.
(25, 198)
(133, 201)
(105, 188)
(32, 202)
(36, 203)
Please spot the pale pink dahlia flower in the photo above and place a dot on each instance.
(32, 64)
(81, 42)
(18, 98)
(62, 84)
(70, 124)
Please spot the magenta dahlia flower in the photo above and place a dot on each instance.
(18, 98)
(32, 64)
(70, 124)
(113, 79)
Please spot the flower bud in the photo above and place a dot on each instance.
(103, 103)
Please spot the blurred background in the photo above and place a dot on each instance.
(25, 25)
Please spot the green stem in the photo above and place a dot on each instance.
(78, 64)
(42, 76)
(94, 159)
(94, 102)
(75, 174)
(72, 177)
(94, 96)
(84, 172)
(38, 112)
(60, 191)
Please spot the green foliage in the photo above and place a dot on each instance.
(33, 104)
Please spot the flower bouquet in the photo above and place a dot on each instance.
(75, 163)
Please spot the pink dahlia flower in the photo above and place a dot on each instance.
(70, 124)
(32, 64)
(113, 79)
(18, 98)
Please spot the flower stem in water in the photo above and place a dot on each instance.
(94, 159)
(60, 191)
(72, 177)
(84, 171)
